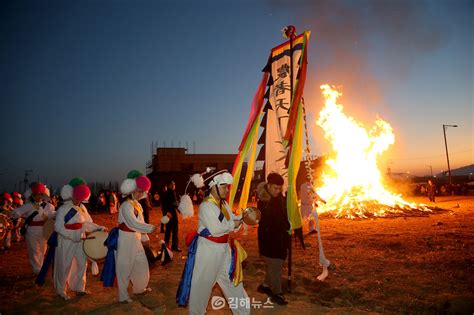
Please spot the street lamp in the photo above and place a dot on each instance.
(431, 169)
(447, 156)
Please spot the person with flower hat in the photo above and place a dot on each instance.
(71, 225)
(7, 201)
(17, 202)
(6, 209)
(35, 212)
(131, 260)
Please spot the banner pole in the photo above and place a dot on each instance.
(292, 35)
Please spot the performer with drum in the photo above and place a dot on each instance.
(131, 260)
(72, 223)
(215, 257)
(5, 220)
(17, 202)
(35, 212)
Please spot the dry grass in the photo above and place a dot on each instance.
(391, 265)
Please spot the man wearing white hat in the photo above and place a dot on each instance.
(131, 261)
(72, 223)
(213, 256)
(36, 211)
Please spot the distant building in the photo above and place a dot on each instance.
(178, 165)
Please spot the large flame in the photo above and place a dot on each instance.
(352, 183)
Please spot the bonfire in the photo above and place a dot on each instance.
(352, 182)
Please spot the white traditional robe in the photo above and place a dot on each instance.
(70, 261)
(7, 238)
(35, 242)
(130, 261)
(212, 263)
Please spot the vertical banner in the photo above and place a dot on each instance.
(284, 75)
(280, 99)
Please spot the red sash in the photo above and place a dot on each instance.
(125, 228)
(36, 223)
(221, 239)
(73, 226)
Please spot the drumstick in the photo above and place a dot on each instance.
(88, 238)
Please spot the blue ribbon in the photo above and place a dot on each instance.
(232, 261)
(52, 244)
(108, 272)
(184, 289)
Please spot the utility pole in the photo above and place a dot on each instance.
(25, 180)
(447, 155)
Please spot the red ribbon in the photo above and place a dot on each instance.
(125, 228)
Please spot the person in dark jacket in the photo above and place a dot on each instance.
(273, 237)
(169, 206)
(162, 193)
(146, 206)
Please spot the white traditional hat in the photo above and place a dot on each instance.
(135, 181)
(224, 178)
(76, 189)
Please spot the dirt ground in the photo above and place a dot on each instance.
(413, 265)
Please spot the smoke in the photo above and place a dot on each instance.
(347, 35)
(360, 45)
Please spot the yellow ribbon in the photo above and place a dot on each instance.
(223, 209)
(241, 256)
(136, 205)
(79, 209)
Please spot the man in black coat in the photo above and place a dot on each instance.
(169, 206)
(146, 206)
(273, 237)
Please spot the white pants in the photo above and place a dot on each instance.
(131, 264)
(212, 265)
(70, 266)
(36, 246)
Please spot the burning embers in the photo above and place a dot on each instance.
(352, 185)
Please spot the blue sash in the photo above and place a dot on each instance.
(184, 289)
(108, 272)
(52, 244)
(232, 261)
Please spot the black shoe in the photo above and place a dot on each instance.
(176, 249)
(264, 289)
(313, 232)
(279, 299)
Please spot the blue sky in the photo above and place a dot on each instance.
(87, 86)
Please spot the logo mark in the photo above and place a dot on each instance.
(217, 302)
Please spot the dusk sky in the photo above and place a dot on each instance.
(87, 86)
